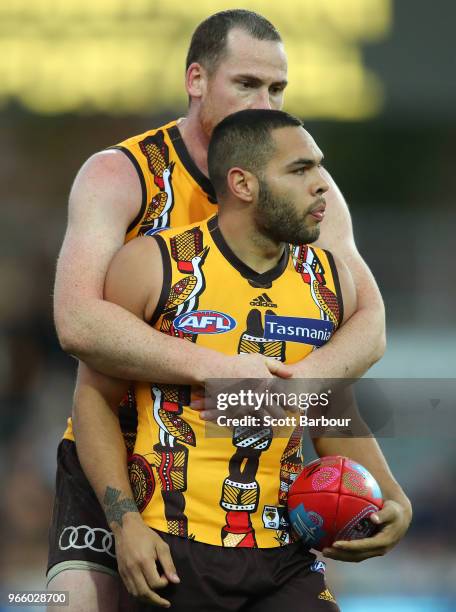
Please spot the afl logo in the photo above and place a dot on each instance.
(204, 322)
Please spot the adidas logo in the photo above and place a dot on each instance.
(326, 595)
(263, 300)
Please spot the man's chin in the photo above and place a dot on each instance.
(315, 234)
(307, 237)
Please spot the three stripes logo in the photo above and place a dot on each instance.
(263, 300)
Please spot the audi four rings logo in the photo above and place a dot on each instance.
(83, 536)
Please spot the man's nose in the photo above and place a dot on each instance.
(321, 186)
(262, 100)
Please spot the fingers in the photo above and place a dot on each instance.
(358, 550)
(164, 556)
(137, 585)
(391, 517)
(138, 550)
(348, 556)
(388, 514)
(209, 415)
(152, 577)
(198, 398)
(274, 410)
(378, 542)
(254, 391)
(197, 404)
(278, 368)
(146, 593)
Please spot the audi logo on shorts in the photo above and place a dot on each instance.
(95, 538)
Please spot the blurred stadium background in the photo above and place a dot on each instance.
(374, 80)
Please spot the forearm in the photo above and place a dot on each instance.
(115, 342)
(103, 456)
(360, 341)
(352, 350)
(367, 452)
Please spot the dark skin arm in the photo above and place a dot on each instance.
(396, 514)
(138, 547)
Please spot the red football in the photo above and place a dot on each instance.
(332, 499)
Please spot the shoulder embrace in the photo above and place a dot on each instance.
(110, 162)
(135, 275)
(347, 286)
(141, 253)
(109, 176)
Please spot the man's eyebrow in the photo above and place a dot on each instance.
(283, 83)
(257, 81)
(302, 161)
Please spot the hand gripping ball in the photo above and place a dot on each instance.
(332, 499)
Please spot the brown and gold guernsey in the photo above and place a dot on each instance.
(174, 193)
(232, 490)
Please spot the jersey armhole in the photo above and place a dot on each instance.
(335, 275)
(139, 171)
(166, 284)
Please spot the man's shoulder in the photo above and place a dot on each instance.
(181, 231)
(144, 137)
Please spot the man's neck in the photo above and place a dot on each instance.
(252, 248)
(195, 140)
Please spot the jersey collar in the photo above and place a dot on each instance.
(256, 279)
(189, 164)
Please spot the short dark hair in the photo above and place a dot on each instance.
(208, 44)
(244, 139)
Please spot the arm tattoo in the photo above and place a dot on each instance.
(115, 508)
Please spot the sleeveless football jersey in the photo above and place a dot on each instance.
(231, 490)
(174, 192)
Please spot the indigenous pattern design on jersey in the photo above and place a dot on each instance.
(175, 434)
(174, 193)
(156, 151)
(229, 491)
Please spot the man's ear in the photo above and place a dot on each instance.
(243, 185)
(196, 80)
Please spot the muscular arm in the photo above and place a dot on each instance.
(396, 514)
(360, 342)
(367, 452)
(104, 200)
(99, 441)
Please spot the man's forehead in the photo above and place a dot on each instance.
(243, 47)
(294, 142)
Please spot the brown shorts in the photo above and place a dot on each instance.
(218, 579)
(213, 578)
(79, 536)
